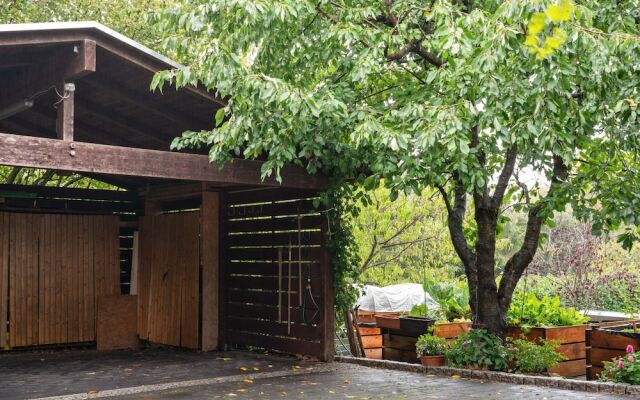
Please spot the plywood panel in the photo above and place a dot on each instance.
(116, 322)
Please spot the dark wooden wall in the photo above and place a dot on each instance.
(261, 310)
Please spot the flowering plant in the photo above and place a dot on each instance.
(625, 369)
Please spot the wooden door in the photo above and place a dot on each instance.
(169, 282)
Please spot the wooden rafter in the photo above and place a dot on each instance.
(32, 152)
(76, 61)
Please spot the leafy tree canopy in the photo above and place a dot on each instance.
(462, 96)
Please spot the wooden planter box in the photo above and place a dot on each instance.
(573, 346)
(371, 342)
(399, 346)
(608, 343)
(451, 330)
(388, 321)
(370, 316)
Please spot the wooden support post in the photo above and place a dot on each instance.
(64, 123)
(328, 300)
(210, 263)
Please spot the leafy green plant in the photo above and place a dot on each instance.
(533, 357)
(624, 369)
(421, 310)
(529, 310)
(453, 298)
(429, 345)
(479, 349)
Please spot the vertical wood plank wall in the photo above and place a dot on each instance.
(169, 284)
(258, 222)
(57, 267)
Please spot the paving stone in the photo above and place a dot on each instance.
(234, 375)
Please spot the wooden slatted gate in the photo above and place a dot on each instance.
(268, 303)
(53, 268)
(169, 281)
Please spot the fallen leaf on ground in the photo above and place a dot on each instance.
(455, 376)
(244, 369)
(232, 394)
(346, 382)
(247, 380)
(93, 391)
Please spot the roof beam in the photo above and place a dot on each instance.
(77, 61)
(32, 152)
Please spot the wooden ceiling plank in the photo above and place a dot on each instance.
(148, 103)
(24, 151)
(77, 61)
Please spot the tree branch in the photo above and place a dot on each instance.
(515, 266)
(505, 176)
(415, 47)
(455, 220)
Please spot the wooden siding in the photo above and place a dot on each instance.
(262, 225)
(169, 284)
(58, 266)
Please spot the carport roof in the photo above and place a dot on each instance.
(113, 104)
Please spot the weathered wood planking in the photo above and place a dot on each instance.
(56, 276)
(24, 151)
(257, 223)
(169, 282)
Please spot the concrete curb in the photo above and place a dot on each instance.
(517, 379)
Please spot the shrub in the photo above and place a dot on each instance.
(478, 349)
(429, 345)
(453, 298)
(421, 310)
(528, 310)
(532, 357)
(623, 369)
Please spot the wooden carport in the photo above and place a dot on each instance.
(216, 257)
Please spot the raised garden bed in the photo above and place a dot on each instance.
(607, 343)
(371, 341)
(573, 347)
(451, 330)
(388, 321)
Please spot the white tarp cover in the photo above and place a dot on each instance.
(394, 298)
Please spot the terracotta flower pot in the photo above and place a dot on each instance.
(432, 361)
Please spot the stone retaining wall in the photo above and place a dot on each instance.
(545, 381)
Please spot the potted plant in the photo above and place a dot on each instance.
(624, 369)
(430, 350)
(536, 319)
